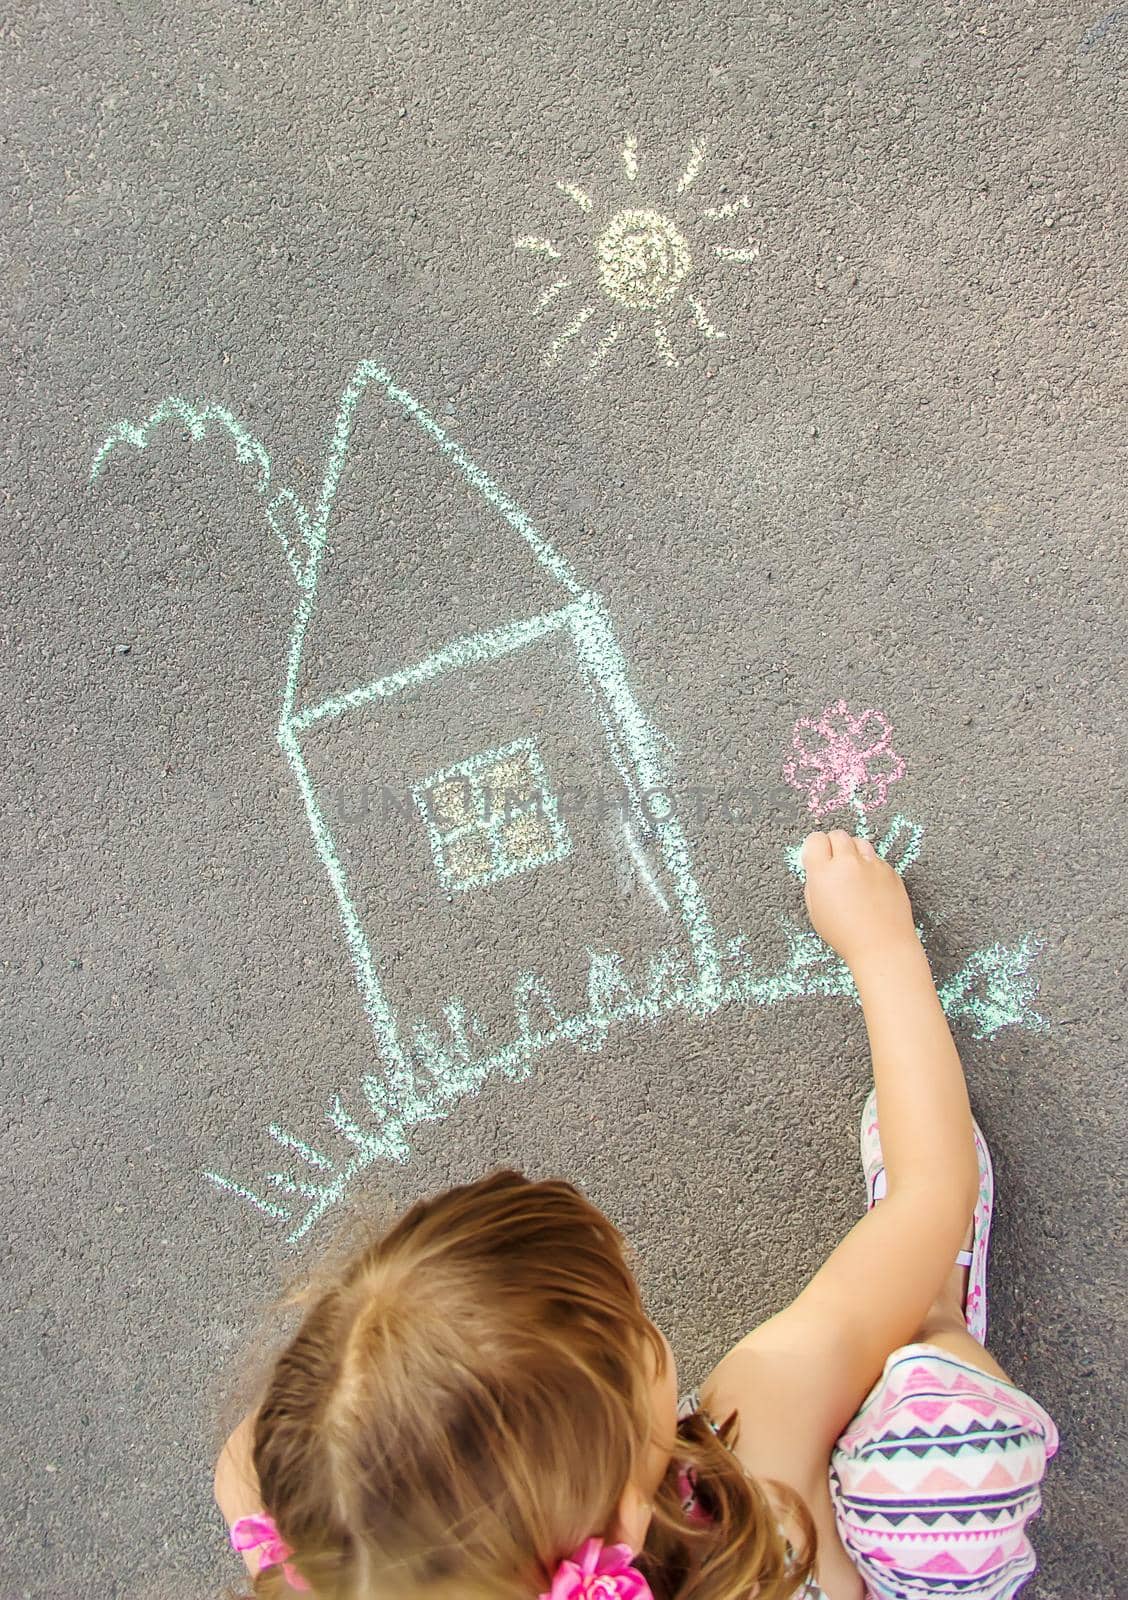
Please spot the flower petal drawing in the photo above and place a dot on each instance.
(842, 759)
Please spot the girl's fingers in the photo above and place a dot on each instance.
(816, 849)
(866, 850)
(840, 841)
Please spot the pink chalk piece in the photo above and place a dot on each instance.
(843, 759)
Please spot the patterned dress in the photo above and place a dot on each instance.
(935, 1479)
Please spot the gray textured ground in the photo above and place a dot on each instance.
(899, 479)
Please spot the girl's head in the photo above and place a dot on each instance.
(480, 1392)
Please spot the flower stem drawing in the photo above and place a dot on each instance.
(424, 1064)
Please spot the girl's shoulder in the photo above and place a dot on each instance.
(690, 1405)
(779, 1440)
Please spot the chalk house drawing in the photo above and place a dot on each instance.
(638, 265)
(493, 816)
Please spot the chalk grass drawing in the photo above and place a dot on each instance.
(636, 266)
(422, 1071)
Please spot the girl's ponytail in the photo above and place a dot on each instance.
(732, 1530)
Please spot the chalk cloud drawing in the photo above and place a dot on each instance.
(639, 261)
(494, 817)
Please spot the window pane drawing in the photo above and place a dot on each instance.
(491, 817)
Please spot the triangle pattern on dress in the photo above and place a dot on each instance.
(875, 1483)
(928, 1410)
(941, 1481)
(998, 1478)
(943, 1564)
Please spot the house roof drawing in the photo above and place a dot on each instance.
(412, 547)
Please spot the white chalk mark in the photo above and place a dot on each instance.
(604, 345)
(702, 320)
(729, 210)
(993, 990)
(280, 1213)
(728, 252)
(662, 340)
(644, 871)
(570, 332)
(693, 166)
(630, 157)
(290, 1184)
(543, 247)
(550, 294)
(575, 193)
(299, 1147)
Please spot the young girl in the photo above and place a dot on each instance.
(480, 1408)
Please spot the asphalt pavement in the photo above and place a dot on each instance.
(483, 482)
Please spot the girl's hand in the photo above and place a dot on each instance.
(855, 900)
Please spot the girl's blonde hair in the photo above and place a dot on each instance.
(465, 1405)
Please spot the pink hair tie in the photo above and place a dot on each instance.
(598, 1573)
(260, 1534)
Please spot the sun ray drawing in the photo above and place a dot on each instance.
(635, 267)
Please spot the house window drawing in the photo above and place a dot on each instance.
(481, 696)
(492, 816)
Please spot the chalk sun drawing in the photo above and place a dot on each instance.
(421, 1072)
(638, 261)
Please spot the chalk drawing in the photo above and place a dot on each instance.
(639, 259)
(556, 348)
(1100, 30)
(496, 814)
(692, 168)
(542, 247)
(604, 345)
(702, 320)
(642, 258)
(550, 294)
(843, 760)
(577, 196)
(475, 841)
(994, 989)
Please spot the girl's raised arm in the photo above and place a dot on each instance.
(824, 1352)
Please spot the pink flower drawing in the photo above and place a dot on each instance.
(843, 760)
(598, 1572)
